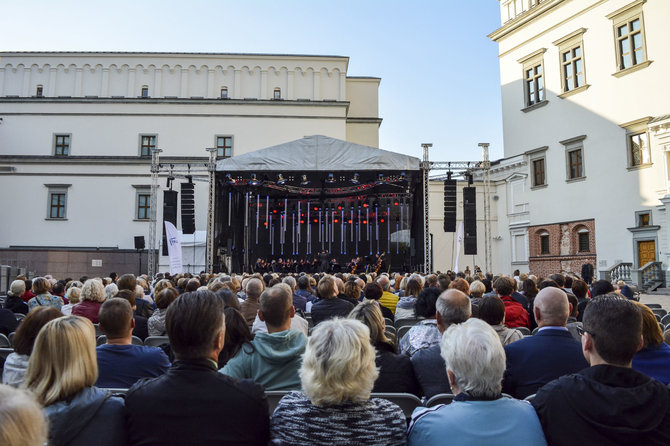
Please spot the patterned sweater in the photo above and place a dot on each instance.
(296, 421)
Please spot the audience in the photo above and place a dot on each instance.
(21, 420)
(492, 311)
(192, 403)
(607, 403)
(13, 302)
(405, 307)
(425, 333)
(61, 373)
(654, 358)
(329, 306)
(42, 297)
(272, 359)
(373, 292)
(337, 374)
(120, 363)
(8, 322)
(515, 314)
(237, 335)
(249, 307)
(156, 323)
(535, 360)
(395, 371)
(388, 299)
(17, 362)
(73, 298)
(92, 295)
(479, 414)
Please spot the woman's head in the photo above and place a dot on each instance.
(339, 363)
(652, 334)
(351, 290)
(373, 291)
(41, 285)
(326, 287)
(166, 297)
(461, 285)
(17, 288)
(370, 314)
(111, 290)
(229, 298)
(492, 310)
(25, 336)
(237, 334)
(413, 288)
(93, 291)
(161, 285)
(22, 422)
(63, 360)
(529, 288)
(477, 289)
(425, 303)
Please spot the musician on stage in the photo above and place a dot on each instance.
(323, 261)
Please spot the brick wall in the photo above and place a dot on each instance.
(564, 255)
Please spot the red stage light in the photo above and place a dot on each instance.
(302, 222)
(265, 223)
(339, 208)
(395, 203)
(365, 222)
(316, 209)
(274, 211)
(382, 220)
(316, 221)
(336, 221)
(365, 205)
(350, 222)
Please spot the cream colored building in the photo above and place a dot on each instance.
(586, 121)
(77, 129)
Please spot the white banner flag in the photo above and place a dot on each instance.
(459, 241)
(174, 248)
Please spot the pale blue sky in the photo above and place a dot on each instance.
(440, 77)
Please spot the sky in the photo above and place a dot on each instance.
(440, 77)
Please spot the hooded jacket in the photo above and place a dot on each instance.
(604, 405)
(91, 416)
(271, 359)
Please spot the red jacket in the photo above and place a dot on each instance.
(87, 309)
(515, 314)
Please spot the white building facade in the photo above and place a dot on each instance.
(586, 120)
(77, 130)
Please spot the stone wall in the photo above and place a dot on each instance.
(564, 255)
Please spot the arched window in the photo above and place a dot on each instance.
(544, 242)
(224, 92)
(583, 244)
(277, 93)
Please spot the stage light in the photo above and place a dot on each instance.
(349, 221)
(402, 176)
(381, 220)
(170, 179)
(330, 179)
(365, 205)
(380, 179)
(274, 211)
(316, 221)
(302, 222)
(395, 203)
(281, 180)
(230, 180)
(304, 181)
(336, 221)
(355, 179)
(365, 222)
(254, 180)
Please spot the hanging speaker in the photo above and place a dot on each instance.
(169, 214)
(187, 208)
(470, 220)
(449, 205)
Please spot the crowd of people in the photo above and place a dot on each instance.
(591, 362)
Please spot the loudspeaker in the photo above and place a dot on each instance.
(139, 242)
(449, 205)
(470, 220)
(169, 214)
(187, 208)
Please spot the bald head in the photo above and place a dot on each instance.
(551, 307)
(254, 288)
(453, 307)
(384, 282)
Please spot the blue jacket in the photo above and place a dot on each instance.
(654, 362)
(535, 360)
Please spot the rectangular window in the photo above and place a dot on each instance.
(643, 219)
(147, 144)
(538, 172)
(575, 164)
(57, 201)
(534, 84)
(572, 69)
(224, 146)
(61, 145)
(629, 39)
(145, 92)
(39, 92)
(143, 206)
(583, 242)
(277, 93)
(224, 93)
(544, 244)
(639, 149)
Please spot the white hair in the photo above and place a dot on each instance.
(473, 352)
(339, 363)
(290, 281)
(93, 291)
(17, 288)
(111, 290)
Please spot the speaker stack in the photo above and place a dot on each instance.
(470, 220)
(450, 205)
(187, 208)
(169, 214)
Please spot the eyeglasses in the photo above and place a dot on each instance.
(581, 332)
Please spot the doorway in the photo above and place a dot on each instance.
(646, 252)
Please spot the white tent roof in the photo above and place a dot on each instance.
(318, 152)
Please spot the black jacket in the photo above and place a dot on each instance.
(604, 405)
(431, 371)
(194, 404)
(396, 373)
(16, 305)
(141, 329)
(8, 322)
(325, 309)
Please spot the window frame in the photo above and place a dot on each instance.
(52, 190)
(140, 191)
(570, 43)
(149, 146)
(218, 148)
(574, 145)
(39, 91)
(536, 155)
(532, 62)
(223, 90)
(626, 16)
(144, 92)
(544, 235)
(56, 145)
(581, 232)
(635, 128)
(276, 94)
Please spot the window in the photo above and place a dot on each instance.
(544, 243)
(639, 149)
(224, 146)
(224, 93)
(147, 144)
(61, 145)
(533, 79)
(643, 219)
(571, 58)
(39, 92)
(143, 205)
(538, 172)
(583, 240)
(575, 165)
(145, 91)
(57, 201)
(630, 47)
(277, 93)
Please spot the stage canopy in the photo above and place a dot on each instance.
(318, 153)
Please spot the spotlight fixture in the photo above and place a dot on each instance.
(254, 180)
(330, 179)
(380, 179)
(356, 179)
(281, 180)
(230, 180)
(304, 181)
(170, 179)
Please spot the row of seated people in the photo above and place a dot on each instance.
(607, 402)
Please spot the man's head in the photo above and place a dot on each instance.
(452, 307)
(275, 308)
(195, 325)
(600, 287)
(503, 286)
(192, 285)
(551, 308)
(492, 310)
(127, 282)
(116, 319)
(326, 287)
(303, 282)
(290, 281)
(612, 331)
(384, 282)
(254, 288)
(559, 279)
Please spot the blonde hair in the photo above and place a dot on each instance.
(370, 314)
(63, 361)
(339, 363)
(41, 285)
(161, 285)
(21, 420)
(93, 290)
(74, 295)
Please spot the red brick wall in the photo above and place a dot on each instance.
(564, 255)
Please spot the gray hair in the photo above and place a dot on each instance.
(17, 288)
(111, 290)
(384, 282)
(290, 281)
(254, 288)
(93, 291)
(454, 307)
(474, 354)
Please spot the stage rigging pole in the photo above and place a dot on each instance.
(487, 206)
(425, 167)
(211, 210)
(153, 254)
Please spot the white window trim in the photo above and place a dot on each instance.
(57, 189)
(625, 15)
(571, 145)
(568, 43)
(527, 62)
(141, 189)
(633, 128)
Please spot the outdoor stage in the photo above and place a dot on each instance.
(315, 194)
